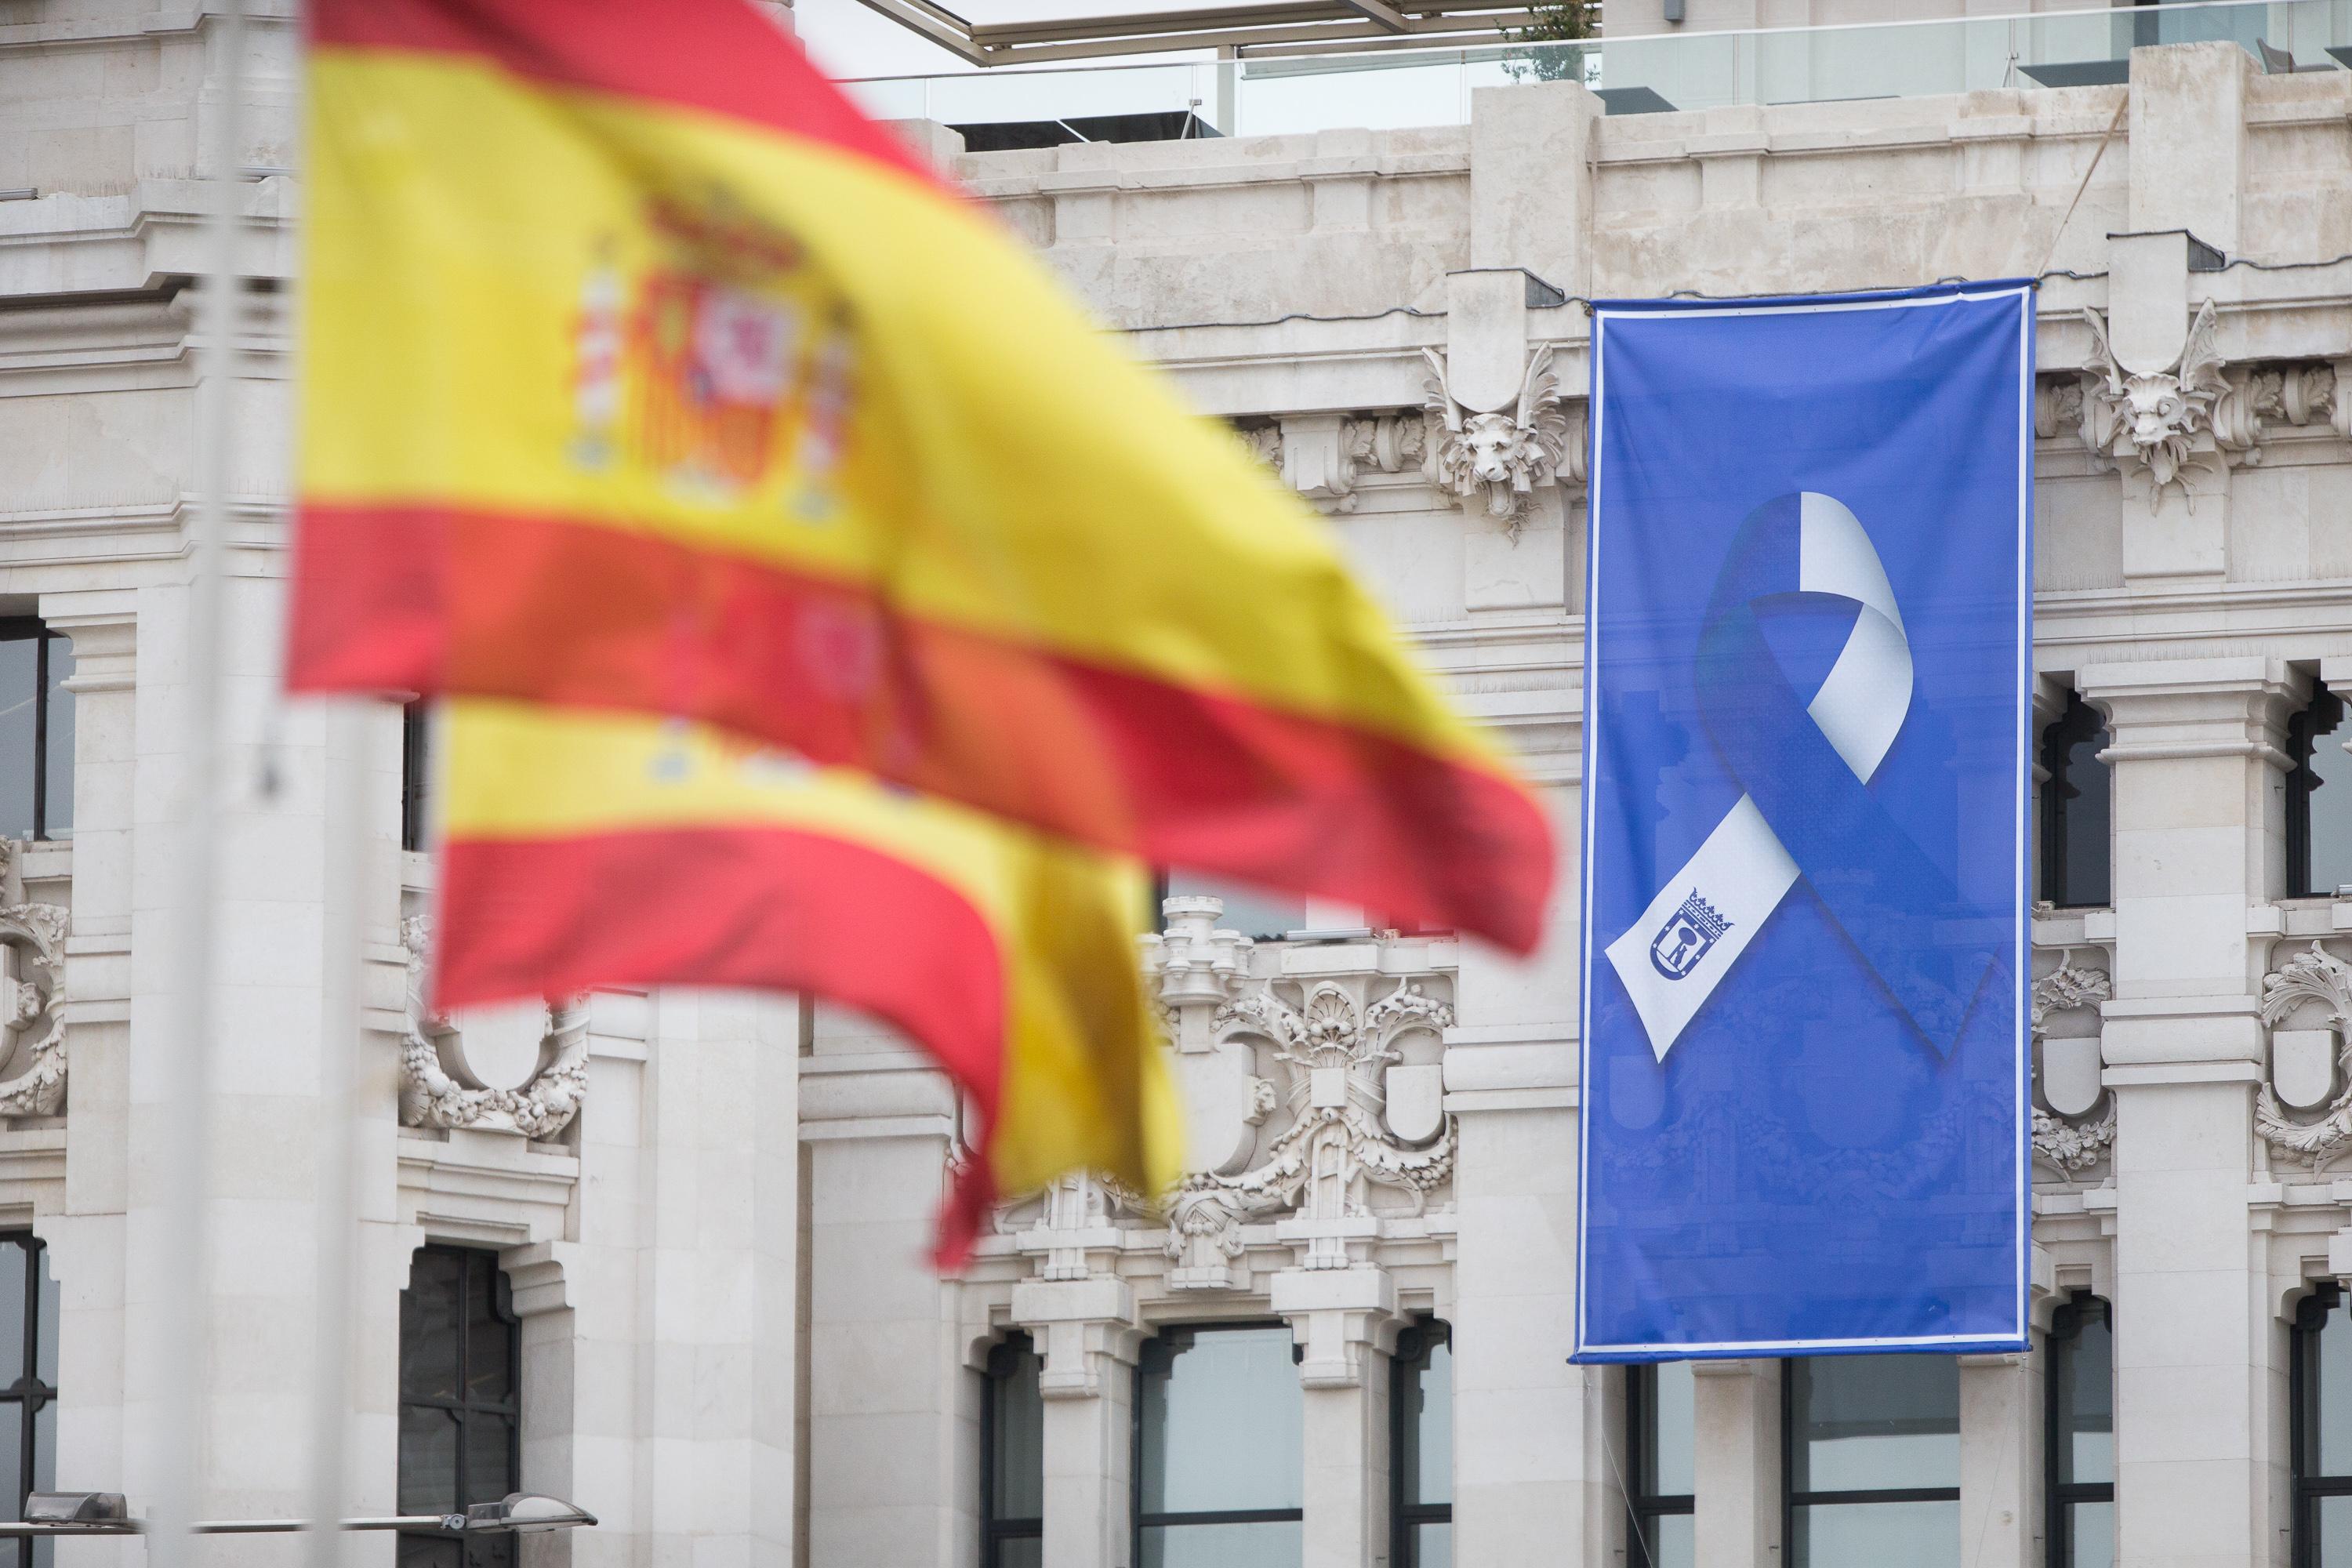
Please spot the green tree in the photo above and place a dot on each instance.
(1555, 23)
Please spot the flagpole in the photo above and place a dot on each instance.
(181, 1337)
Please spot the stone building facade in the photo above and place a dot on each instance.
(677, 1238)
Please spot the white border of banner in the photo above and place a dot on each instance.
(2022, 958)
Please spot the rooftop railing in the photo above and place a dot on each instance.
(1275, 92)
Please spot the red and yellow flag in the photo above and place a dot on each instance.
(1009, 957)
(640, 372)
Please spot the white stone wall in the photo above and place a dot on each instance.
(733, 1350)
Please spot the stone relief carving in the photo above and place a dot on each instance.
(1076, 1231)
(2315, 976)
(1321, 456)
(34, 1005)
(1500, 457)
(431, 1092)
(1339, 1060)
(2190, 415)
(2071, 1142)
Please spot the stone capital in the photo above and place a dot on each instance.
(2188, 708)
(1336, 1315)
(1083, 1329)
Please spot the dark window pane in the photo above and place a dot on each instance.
(19, 719)
(429, 1459)
(57, 802)
(1432, 1545)
(415, 775)
(430, 1552)
(1875, 1422)
(2331, 1522)
(1222, 1423)
(1673, 1541)
(1428, 1426)
(429, 1326)
(11, 1459)
(489, 1339)
(2076, 805)
(12, 1311)
(1666, 1456)
(491, 1552)
(489, 1457)
(1874, 1534)
(1021, 1551)
(1279, 1545)
(45, 1447)
(1017, 1437)
(2326, 774)
(44, 1322)
(2331, 1393)
(2086, 1401)
(2090, 1535)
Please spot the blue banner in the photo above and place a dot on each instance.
(1809, 635)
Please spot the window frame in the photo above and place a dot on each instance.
(415, 775)
(2311, 1315)
(1138, 1520)
(1413, 1343)
(2064, 1326)
(28, 1394)
(2078, 722)
(1792, 1499)
(461, 1406)
(994, 1532)
(33, 629)
(1645, 1506)
(2304, 733)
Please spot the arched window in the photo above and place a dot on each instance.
(1220, 1473)
(2320, 1428)
(2079, 1443)
(460, 1401)
(36, 730)
(1421, 1475)
(2319, 799)
(1013, 1458)
(1662, 1430)
(2077, 809)
(1873, 1461)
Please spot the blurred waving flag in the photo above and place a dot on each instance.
(641, 373)
(1009, 956)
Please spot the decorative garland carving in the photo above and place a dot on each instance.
(429, 1097)
(37, 931)
(2071, 1145)
(1337, 1146)
(2320, 976)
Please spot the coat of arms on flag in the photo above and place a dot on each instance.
(1688, 932)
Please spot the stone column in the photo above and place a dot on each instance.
(1345, 1321)
(2196, 759)
(1736, 1438)
(2000, 1460)
(1088, 1332)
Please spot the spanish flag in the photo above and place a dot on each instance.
(641, 373)
(1009, 957)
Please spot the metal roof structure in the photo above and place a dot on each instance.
(1249, 28)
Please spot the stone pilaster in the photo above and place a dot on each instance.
(1345, 1321)
(2000, 1460)
(1088, 1332)
(1735, 1432)
(2197, 758)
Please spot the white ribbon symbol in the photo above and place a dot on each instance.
(1703, 919)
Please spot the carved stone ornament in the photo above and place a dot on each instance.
(2167, 421)
(1496, 457)
(432, 1096)
(32, 1008)
(1336, 1056)
(2319, 976)
(1321, 456)
(1075, 1233)
(2070, 1143)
